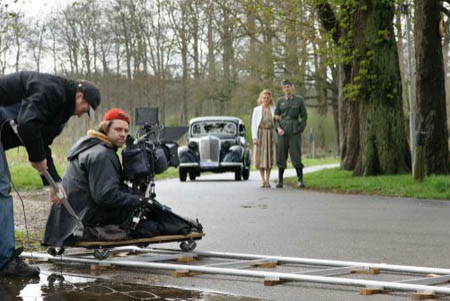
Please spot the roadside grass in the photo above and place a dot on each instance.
(310, 162)
(336, 180)
(170, 173)
(34, 242)
(24, 177)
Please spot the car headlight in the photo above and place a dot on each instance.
(226, 145)
(192, 146)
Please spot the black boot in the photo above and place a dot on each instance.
(300, 183)
(280, 177)
(15, 267)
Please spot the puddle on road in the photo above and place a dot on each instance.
(55, 287)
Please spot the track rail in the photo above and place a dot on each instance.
(424, 285)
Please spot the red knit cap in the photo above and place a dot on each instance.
(116, 113)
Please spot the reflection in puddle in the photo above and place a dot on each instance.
(53, 287)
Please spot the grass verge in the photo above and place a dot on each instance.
(25, 177)
(336, 180)
(34, 242)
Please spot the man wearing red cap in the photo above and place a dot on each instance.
(93, 181)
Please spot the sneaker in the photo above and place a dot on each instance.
(279, 185)
(300, 184)
(15, 267)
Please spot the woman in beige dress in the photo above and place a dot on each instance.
(263, 135)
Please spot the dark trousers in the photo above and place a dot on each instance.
(7, 240)
(292, 145)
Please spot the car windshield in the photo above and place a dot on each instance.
(214, 127)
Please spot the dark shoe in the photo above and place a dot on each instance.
(15, 267)
(280, 177)
(300, 184)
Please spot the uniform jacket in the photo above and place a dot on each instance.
(292, 114)
(41, 104)
(256, 119)
(95, 190)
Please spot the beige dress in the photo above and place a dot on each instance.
(264, 155)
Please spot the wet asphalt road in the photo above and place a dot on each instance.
(241, 217)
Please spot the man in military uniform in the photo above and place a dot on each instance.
(290, 121)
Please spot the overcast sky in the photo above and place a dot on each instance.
(36, 8)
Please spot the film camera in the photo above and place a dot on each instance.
(151, 152)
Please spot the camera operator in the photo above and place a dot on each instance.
(94, 182)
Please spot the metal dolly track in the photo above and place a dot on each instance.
(150, 258)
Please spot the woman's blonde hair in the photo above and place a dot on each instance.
(263, 92)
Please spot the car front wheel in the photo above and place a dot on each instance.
(246, 173)
(183, 174)
(238, 174)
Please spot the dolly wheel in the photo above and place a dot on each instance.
(188, 246)
(101, 254)
(52, 251)
(55, 251)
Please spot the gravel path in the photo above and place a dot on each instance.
(37, 207)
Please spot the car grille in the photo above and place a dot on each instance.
(209, 150)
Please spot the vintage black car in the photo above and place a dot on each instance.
(216, 144)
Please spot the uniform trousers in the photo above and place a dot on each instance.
(292, 145)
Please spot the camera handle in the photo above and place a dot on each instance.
(150, 192)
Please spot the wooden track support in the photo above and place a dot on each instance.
(186, 259)
(423, 295)
(267, 265)
(370, 271)
(181, 273)
(100, 267)
(269, 281)
(367, 291)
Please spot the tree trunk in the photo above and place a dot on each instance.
(370, 107)
(291, 46)
(349, 127)
(432, 114)
(382, 136)
(227, 57)
(252, 53)
(183, 32)
(402, 57)
(195, 31)
(446, 54)
(267, 47)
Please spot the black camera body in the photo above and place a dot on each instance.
(148, 155)
(152, 151)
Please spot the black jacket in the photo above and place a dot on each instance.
(41, 104)
(94, 184)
